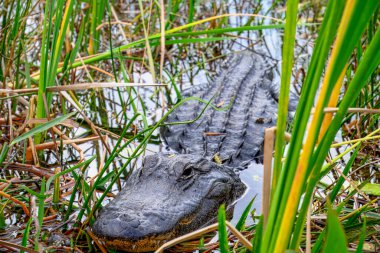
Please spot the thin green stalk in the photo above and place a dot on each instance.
(341, 179)
(57, 188)
(191, 13)
(240, 225)
(286, 70)
(97, 14)
(44, 60)
(222, 230)
(40, 214)
(172, 12)
(4, 153)
(256, 240)
(335, 240)
(225, 30)
(26, 234)
(359, 248)
(51, 58)
(147, 45)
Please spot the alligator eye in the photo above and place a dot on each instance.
(187, 173)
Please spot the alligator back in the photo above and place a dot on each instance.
(236, 134)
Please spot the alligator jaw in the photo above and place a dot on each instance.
(144, 245)
(170, 196)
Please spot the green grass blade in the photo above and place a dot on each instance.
(368, 64)
(31, 192)
(240, 225)
(319, 242)
(3, 223)
(25, 236)
(371, 189)
(78, 181)
(79, 40)
(40, 213)
(44, 60)
(41, 128)
(256, 243)
(112, 156)
(359, 248)
(225, 30)
(50, 58)
(4, 152)
(195, 40)
(288, 208)
(341, 179)
(77, 166)
(335, 236)
(222, 230)
(147, 45)
(286, 70)
(191, 12)
(16, 24)
(201, 245)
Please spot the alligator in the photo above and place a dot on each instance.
(177, 192)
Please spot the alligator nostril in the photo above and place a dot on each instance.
(151, 161)
(134, 223)
(223, 180)
(129, 221)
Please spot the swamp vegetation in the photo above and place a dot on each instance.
(85, 86)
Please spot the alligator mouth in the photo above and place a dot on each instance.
(135, 241)
(147, 244)
(152, 242)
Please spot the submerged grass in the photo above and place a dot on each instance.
(58, 47)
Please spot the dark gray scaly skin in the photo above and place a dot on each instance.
(173, 194)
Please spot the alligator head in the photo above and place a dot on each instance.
(169, 196)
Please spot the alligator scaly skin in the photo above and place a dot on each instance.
(237, 133)
(173, 194)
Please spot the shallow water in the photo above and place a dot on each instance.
(253, 178)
